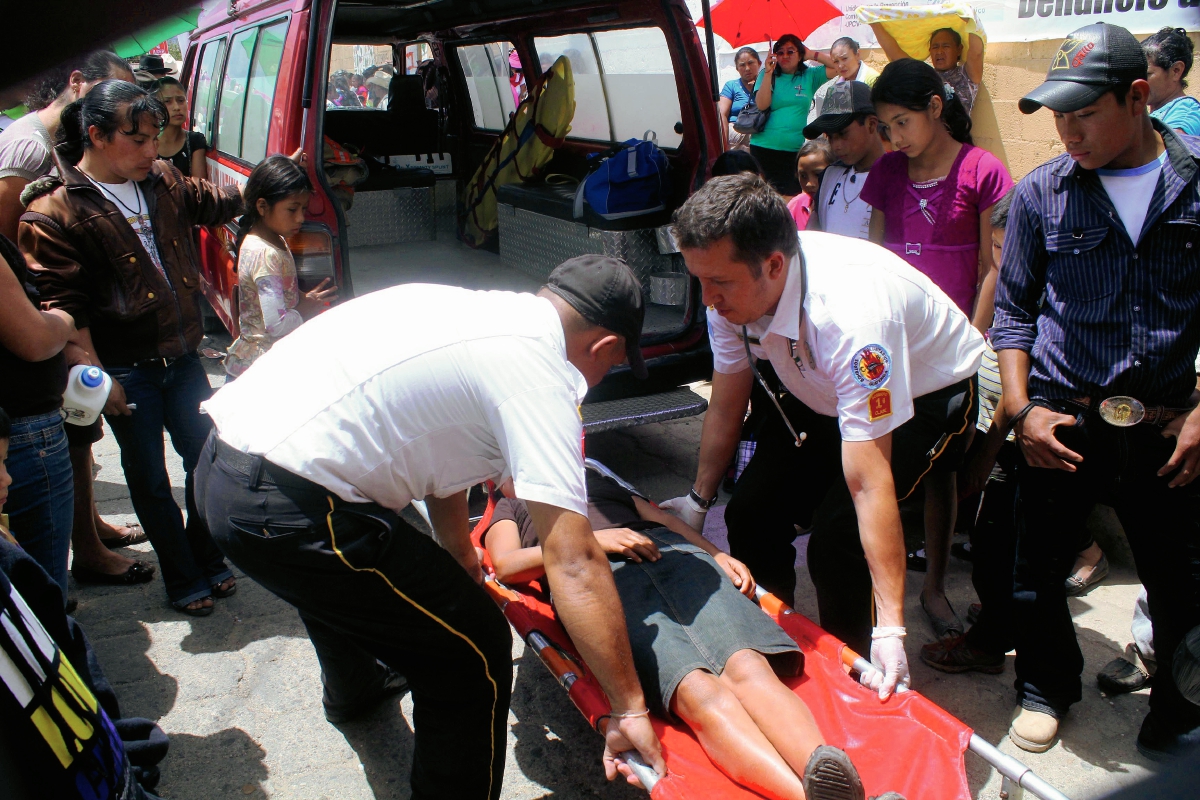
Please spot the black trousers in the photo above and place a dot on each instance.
(1163, 527)
(369, 586)
(784, 486)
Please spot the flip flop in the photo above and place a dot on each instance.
(202, 611)
(222, 593)
(138, 572)
(943, 629)
(135, 535)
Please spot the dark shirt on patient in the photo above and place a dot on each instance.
(609, 506)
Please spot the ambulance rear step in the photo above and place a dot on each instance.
(611, 415)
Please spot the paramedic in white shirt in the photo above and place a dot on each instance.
(882, 366)
(420, 392)
(848, 118)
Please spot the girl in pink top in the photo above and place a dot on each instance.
(931, 203)
(811, 162)
(932, 196)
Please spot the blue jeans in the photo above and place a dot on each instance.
(41, 500)
(169, 396)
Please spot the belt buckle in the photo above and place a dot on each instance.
(1122, 411)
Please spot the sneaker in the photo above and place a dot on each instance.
(1034, 731)
(1121, 676)
(955, 655)
(393, 684)
(830, 776)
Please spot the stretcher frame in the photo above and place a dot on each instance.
(1016, 777)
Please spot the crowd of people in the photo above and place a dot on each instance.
(897, 316)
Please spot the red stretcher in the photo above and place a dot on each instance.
(907, 744)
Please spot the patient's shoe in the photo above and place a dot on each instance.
(830, 776)
(1034, 731)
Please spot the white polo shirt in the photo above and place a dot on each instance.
(416, 391)
(877, 334)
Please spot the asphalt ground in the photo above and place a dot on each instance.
(239, 691)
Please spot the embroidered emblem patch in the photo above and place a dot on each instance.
(871, 366)
(879, 405)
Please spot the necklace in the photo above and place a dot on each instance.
(927, 184)
(850, 177)
(138, 216)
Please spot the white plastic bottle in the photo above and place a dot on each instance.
(87, 392)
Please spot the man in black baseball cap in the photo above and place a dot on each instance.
(848, 118)
(605, 292)
(1098, 378)
(1091, 61)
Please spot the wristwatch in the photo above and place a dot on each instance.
(700, 501)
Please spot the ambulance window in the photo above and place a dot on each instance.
(360, 76)
(205, 95)
(233, 92)
(640, 80)
(415, 55)
(486, 71)
(624, 83)
(591, 112)
(264, 70)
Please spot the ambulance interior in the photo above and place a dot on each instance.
(450, 96)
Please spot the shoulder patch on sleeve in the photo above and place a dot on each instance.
(871, 366)
(879, 405)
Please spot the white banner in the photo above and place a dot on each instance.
(1031, 20)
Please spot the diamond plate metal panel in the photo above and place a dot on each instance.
(445, 209)
(391, 216)
(534, 244)
(628, 412)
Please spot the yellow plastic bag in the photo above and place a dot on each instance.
(912, 26)
(526, 145)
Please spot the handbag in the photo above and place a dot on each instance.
(752, 119)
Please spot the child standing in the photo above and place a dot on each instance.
(931, 202)
(270, 303)
(814, 158)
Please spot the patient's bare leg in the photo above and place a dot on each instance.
(781, 716)
(731, 738)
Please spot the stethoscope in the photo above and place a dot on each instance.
(799, 437)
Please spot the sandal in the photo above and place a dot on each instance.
(138, 572)
(202, 611)
(217, 591)
(134, 535)
(1078, 587)
(943, 629)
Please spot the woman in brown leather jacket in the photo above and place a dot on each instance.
(109, 241)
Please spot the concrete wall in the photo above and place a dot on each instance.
(1011, 70)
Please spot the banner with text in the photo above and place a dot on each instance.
(1031, 20)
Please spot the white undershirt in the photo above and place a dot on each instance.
(130, 201)
(842, 209)
(1130, 191)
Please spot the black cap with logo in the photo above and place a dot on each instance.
(605, 292)
(1089, 62)
(843, 101)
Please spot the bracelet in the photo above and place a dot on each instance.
(889, 632)
(630, 714)
(1024, 412)
(705, 505)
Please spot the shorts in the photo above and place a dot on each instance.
(683, 613)
(84, 435)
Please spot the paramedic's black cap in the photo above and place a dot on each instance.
(843, 101)
(1089, 62)
(606, 293)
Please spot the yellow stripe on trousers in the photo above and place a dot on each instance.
(439, 621)
(949, 439)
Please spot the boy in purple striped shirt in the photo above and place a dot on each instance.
(1099, 378)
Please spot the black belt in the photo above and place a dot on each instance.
(1123, 411)
(259, 470)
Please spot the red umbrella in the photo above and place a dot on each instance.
(741, 22)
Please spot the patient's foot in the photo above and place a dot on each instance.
(830, 776)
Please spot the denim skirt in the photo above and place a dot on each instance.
(683, 613)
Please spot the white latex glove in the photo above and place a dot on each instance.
(890, 662)
(687, 510)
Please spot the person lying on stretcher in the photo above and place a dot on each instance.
(704, 652)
